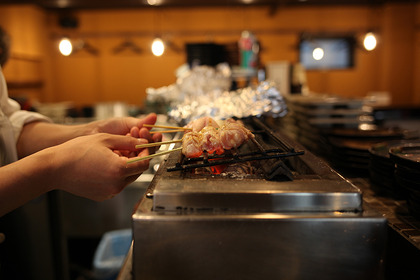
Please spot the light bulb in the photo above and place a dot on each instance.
(318, 53)
(154, 2)
(158, 47)
(370, 41)
(65, 47)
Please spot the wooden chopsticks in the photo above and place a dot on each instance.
(171, 129)
(167, 131)
(166, 126)
(157, 144)
(153, 155)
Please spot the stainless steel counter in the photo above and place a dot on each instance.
(403, 252)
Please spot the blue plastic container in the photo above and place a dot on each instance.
(111, 253)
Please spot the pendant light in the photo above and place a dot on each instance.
(65, 46)
(158, 47)
(369, 41)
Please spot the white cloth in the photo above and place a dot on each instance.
(12, 120)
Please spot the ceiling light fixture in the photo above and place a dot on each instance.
(65, 46)
(158, 48)
(154, 2)
(369, 41)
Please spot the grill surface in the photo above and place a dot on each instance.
(265, 146)
(291, 181)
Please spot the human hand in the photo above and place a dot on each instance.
(87, 166)
(129, 126)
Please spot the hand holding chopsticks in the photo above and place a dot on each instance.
(155, 144)
(148, 145)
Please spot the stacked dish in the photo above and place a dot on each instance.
(349, 148)
(382, 168)
(406, 158)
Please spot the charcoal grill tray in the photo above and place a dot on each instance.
(262, 151)
(233, 158)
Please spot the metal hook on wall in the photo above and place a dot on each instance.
(84, 45)
(127, 44)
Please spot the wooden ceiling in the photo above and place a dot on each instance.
(112, 4)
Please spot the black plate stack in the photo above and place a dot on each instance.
(382, 168)
(313, 117)
(349, 148)
(406, 158)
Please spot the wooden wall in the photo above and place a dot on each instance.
(38, 70)
(25, 71)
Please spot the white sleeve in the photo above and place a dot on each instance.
(22, 117)
(11, 109)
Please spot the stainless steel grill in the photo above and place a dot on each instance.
(303, 221)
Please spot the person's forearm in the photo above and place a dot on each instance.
(87, 166)
(40, 135)
(24, 180)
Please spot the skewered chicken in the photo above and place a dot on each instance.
(191, 144)
(208, 136)
(205, 135)
(233, 134)
(211, 141)
(198, 124)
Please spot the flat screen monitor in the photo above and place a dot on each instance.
(327, 53)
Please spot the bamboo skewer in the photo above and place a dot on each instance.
(167, 131)
(153, 155)
(166, 126)
(157, 144)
